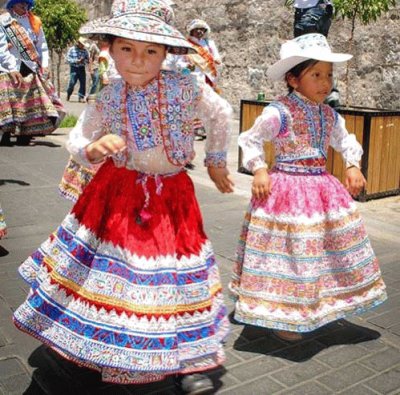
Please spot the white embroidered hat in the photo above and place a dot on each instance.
(302, 48)
(140, 20)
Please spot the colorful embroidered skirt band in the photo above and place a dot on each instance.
(304, 258)
(309, 166)
(33, 108)
(135, 300)
(75, 179)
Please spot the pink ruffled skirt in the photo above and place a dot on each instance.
(304, 258)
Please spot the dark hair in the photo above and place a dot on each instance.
(298, 69)
(109, 38)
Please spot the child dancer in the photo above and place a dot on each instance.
(128, 284)
(304, 258)
(3, 226)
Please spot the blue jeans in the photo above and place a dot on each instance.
(77, 73)
(95, 82)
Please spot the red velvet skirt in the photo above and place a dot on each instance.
(128, 284)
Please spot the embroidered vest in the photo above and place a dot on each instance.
(19, 38)
(305, 130)
(162, 113)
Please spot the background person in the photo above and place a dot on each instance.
(78, 59)
(30, 105)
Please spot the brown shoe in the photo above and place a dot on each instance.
(288, 336)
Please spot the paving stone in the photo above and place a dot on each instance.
(231, 359)
(10, 367)
(16, 385)
(300, 352)
(267, 346)
(342, 355)
(338, 380)
(3, 341)
(259, 367)
(358, 390)
(387, 319)
(349, 334)
(386, 382)
(373, 345)
(310, 388)
(263, 385)
(382, 360)
(395, 329)
(298, 372)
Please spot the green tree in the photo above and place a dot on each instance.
(61, 22)
(366, 11)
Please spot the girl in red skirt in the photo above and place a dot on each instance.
(128, 284)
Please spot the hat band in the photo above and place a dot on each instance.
(147, 15)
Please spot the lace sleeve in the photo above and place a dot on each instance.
(265, 128)
(87, 130)
(346, 144)
(216, 115)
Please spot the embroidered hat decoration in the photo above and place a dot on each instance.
(140, 20)
(302, 48)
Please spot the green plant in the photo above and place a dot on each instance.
(69, 121)
(61, 21)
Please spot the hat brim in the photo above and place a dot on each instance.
(278, 70)
(139, 28)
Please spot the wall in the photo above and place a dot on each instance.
(249, 33)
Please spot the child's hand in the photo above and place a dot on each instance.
(107, 145)
(261, 186)
(354, 181)
(221, 178)
(3, 232)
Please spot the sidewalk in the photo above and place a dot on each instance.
(358, 356)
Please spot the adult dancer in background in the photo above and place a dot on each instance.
(30, 105)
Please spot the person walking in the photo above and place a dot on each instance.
(312, 16)
(78, 59)
(94, 52)
(30, 105)
(205, 63)
(304, 258)
(128, 285)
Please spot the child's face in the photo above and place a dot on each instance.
(20, 8)
(199, 33)
(315, 83)
(137, 62)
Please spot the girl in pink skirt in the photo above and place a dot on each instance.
(304, 258)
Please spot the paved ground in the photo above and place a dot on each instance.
(358, 356)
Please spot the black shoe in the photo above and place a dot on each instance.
(68, 97)
(6, 139)
(194, 384)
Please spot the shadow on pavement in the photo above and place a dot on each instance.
(44, 144)
(18, 182)
(262, 341)
(3, 252)
(55, 375)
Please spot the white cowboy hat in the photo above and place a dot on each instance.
(302, 48)
(140, 20)
(198, 24)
